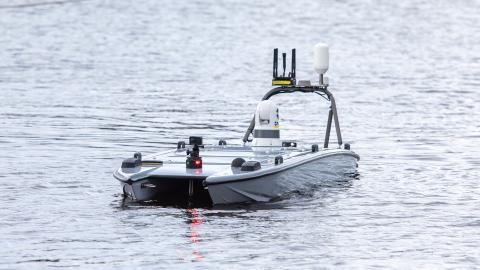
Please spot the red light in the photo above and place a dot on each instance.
(197, 163)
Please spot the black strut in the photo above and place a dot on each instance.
(275, 62)
(293, 64)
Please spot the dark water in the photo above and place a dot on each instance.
(86, 83)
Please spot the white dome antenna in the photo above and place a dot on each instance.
(320, 59)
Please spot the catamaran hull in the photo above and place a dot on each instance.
(261, 186)
(272, 186)
(165, 190)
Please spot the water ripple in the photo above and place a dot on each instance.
(86, 83)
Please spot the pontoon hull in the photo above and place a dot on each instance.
(272, 186)
(166, 190)
(303, 173)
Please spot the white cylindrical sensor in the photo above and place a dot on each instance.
(267, 127)
(320, 58)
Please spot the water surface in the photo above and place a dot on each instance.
(85, 84)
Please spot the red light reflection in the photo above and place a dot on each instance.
(195, 222)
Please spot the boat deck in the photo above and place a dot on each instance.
(223, 155)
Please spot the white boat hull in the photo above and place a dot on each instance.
(219, 183)
(272, 186)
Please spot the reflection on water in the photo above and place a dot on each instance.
(194, 222)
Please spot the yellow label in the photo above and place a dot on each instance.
(281, 82)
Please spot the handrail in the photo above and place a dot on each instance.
(322, 89)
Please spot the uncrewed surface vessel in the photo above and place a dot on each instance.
(260, 170)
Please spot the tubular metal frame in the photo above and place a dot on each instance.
(321, 90)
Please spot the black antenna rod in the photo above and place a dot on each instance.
(293, 64)
(284, 55)
(275, 63)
